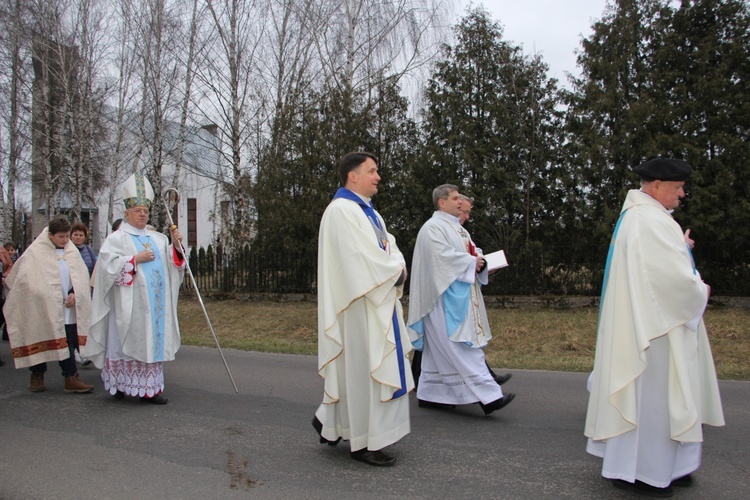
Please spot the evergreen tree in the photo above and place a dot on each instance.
(612, 111)
(705, 69)
(297, 180)
(491, 127)
(668, 81)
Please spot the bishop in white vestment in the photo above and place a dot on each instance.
(654, 383)
(134, 327)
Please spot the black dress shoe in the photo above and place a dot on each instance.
(437, 406)
(643, 489)
(503, 378)
(377, 458)
(497, 404)
(318, 425)
(119, 395)
(682, 482)
(156, 400)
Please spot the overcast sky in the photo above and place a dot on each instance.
(552, 28)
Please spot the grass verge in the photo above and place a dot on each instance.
(536, 339)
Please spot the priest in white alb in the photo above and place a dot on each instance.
(362, 340)
(654, 384)
(447, 317)
(134, 327)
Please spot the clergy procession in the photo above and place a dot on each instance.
(652, 389)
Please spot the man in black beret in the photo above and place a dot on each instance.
(654, 382)
(664, 169)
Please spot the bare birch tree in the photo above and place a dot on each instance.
(156, 39)
(120, 160)
(186, 98)
(227, 76)
(13, 132)
(358, 40)
(68, 47)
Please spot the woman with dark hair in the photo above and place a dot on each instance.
(79, 234)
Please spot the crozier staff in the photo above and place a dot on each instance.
(134, 326)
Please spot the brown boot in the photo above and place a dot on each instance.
(37, 382)
(74, 384)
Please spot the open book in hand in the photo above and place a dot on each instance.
(496, 260)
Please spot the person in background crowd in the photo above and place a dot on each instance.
(6, 263)
(79, 235)
(11, 248)
(466, 205)
(48, 307)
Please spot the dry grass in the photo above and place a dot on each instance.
(538, 339)
(252, 326)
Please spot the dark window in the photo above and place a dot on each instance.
(192, 215)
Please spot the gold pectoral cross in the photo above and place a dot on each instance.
(147, 244)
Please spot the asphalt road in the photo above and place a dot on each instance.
(209, 442)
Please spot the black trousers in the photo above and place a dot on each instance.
(68, 366)
(2, 316)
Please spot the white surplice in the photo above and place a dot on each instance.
(453, 364)
(122, 338)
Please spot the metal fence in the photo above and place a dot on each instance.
(725, 266)
(248, 272)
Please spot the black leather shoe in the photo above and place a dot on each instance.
(437, 406)
(682, 482)
(377, 458)
(497, 404)
(119, 395)
(501, 379)
(156, 400)
(318, 425)
(643, 489)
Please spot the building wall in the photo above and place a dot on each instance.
(207, 197)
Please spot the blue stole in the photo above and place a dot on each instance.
(456, 300)
(155, 284)
(369, 211)
(607, 266)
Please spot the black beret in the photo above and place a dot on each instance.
(663, 169)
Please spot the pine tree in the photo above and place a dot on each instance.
(491, 127)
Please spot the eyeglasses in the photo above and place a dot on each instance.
(139, 211)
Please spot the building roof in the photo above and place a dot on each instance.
(202, 148)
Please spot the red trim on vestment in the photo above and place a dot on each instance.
(177, 257)
(44, 346)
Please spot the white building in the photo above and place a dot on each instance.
(202, 208)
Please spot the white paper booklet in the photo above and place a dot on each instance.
(496, 260)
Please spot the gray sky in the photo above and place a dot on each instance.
(552, 28)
